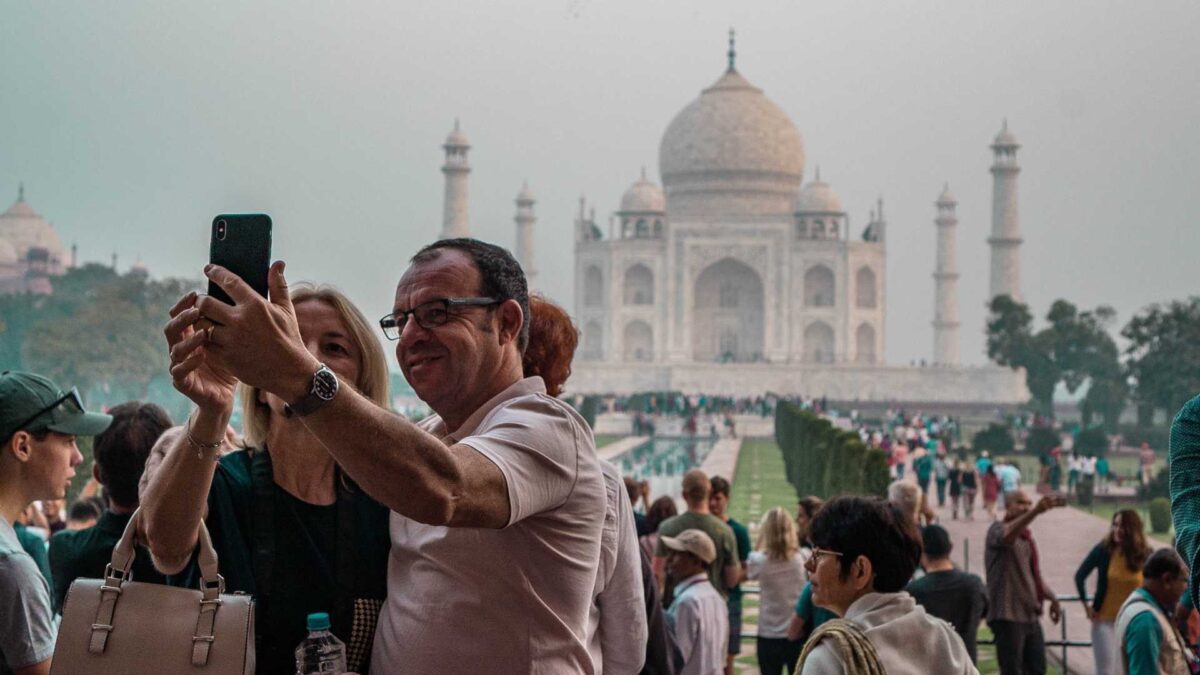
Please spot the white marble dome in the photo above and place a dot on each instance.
(731, 139)
(818, 197)
(24, 229)
(8, 254)
(644, 196)
(456, 138)
(1005, 138)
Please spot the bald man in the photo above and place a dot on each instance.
(725, 570)
(1015, 587)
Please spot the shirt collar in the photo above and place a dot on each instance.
(113, 523)
(697, 578)
(523, 387)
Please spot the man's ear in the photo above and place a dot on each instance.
(20, 446)
(510, 319)
(863, 573)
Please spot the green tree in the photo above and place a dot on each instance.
(996, 438)
(1074, 348)
(1163, 354)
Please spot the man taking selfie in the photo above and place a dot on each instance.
(498, 498)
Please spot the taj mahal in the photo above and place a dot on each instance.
(737, 277)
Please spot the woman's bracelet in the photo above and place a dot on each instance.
(201, 448)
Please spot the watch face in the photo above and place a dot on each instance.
(325, 384)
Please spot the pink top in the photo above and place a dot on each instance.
(513, 600)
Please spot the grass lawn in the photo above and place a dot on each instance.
(604, 439)
(760, 473)
(1104, 511)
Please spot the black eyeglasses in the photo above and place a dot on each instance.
(429, 314)
(69, 400)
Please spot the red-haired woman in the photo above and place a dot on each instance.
(552, 342)
(1118, 558)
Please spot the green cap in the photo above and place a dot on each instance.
(30, 402)
(318, 621)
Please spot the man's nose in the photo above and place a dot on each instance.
(412, 332)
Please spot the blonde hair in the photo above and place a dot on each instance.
(372, 363)
(777, 534)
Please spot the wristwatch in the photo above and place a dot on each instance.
(324, 388)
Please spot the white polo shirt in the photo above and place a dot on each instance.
(699, 616)
(512, 600)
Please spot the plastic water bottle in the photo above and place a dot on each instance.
(321, 651)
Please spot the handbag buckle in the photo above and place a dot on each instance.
(120, 576)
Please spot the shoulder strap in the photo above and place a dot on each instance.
(346, 557)
(853, 647)
(262, 519)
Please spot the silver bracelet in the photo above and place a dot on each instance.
(201, 448)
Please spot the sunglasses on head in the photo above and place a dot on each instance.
(69, 401)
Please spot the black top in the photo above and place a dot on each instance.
(85, 553)
(968, 479)
(296, 558)
(954, 596)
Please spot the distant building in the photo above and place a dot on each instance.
(31, 253)
(738, 278)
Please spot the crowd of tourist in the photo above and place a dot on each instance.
(489, 535)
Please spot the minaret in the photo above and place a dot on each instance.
(525, 219)
(455, 221)
(945, 278)
(1006, 223)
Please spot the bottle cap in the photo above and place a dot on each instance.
(318, 621)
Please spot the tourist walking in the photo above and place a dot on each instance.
(1118, 560)
(866, 551)
(970, 486)
(1148, 641)
(941, 477)
(991, 491)
(1015, 586)
(947, 593)
(39, 424)
(954, 478)
(777, 563)
(699, 615)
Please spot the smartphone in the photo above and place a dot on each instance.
(241, 243)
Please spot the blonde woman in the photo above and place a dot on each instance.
(289, 526)
(778, 565)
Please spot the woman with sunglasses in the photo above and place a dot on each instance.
(865, 551)
(288, 525)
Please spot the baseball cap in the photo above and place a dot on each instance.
(31, 402)
(695, 542)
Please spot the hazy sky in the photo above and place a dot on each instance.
(133, 123)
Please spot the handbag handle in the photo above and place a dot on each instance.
(125, 551)
(212, 585)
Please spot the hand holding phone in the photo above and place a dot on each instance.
(241, 243)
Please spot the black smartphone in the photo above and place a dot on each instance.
(241, 243)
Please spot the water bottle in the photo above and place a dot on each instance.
(321, 651)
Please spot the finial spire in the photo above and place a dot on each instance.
(456, 124)
(817, 179)
(880, 202)
(21, 192)
(643, 172)
(1004, 125)
(732, 50)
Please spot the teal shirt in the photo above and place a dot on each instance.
(1185, 487)
(1143, 641)
(813, 616)
(742, 535)
(35, 546)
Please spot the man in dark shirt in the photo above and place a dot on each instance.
(120, 454)
(718, 505)
(947, 593)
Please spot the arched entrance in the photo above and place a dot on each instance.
(727, 315)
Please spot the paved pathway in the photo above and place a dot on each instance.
(618, 448)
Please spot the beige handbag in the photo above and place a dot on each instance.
(120, 626)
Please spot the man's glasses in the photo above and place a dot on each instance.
(429, 314)
(818, 553)
(69, 401)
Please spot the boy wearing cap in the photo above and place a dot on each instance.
(699, 615)
(38, 455)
